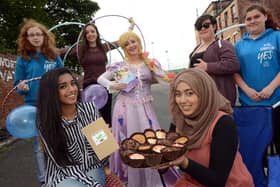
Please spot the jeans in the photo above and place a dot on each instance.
(39, 159)
(96, 173)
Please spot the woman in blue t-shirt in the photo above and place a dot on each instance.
(259, 77)
(37, 55)
(259, 57)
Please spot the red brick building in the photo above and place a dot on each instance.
(232, 12)
(7, 102)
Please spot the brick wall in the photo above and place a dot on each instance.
(7, 65)
(274, 6)
(271, 5)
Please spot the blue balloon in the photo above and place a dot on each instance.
(21, 122)
(97, 94)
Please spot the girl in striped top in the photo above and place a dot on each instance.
(70, 160)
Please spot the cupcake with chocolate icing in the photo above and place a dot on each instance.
(158, 148)
(152, 141)
(139, 137)
(129, 144)
(125, 155)
(171, 153)
(164, 142)
(160, 134)
(136, 160)
(150, 133)
(146, 148)
(172, 136)
(181, 140)
(153, 159)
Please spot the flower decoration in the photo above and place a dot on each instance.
(146, 54)
(152, 65)
(168, 76)
(149, 62)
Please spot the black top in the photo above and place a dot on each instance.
(223, 149)
(194, 57)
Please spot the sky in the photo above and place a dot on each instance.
(167, 27)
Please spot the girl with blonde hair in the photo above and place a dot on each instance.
(133, 110)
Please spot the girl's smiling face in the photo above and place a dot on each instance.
(186, 99)
(207, 30)
(132, 46)
(67, 90)
(255, 22)
(35, 37)
(91, 34)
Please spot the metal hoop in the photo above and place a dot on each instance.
(66, 23)
(12, 90)
(230, 27)
(116, 15)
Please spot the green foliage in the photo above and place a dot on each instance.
(48, 12)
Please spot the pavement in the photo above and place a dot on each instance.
(5, 138)
(17, 164)
(7, 142)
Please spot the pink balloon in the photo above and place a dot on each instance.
(95, 93)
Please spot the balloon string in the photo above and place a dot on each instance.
(11, 91)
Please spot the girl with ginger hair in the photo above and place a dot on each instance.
(37, 55)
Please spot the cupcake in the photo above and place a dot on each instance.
(158, 148)
(178, 145)
(139, 137)
(150, 133)
(182, 147)
(172, 136)
(125, 156)
(136, 160)
(153, 159)
(152, 141)
(171, 153)
(164, 142)
(181, 140)
(144, 148)
(129, 144)
(160, 134)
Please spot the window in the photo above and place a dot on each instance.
(220, 23)
(226, 18)
(233, 14)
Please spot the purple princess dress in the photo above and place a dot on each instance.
(133, 112)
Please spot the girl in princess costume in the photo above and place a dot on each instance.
(133, 111)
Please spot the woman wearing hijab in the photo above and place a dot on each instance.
(202, 114)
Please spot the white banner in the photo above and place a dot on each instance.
(7, 66)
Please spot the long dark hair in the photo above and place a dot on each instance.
(85, 45)
(49, 116)
(270, 22)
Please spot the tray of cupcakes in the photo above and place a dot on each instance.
(152, 148)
